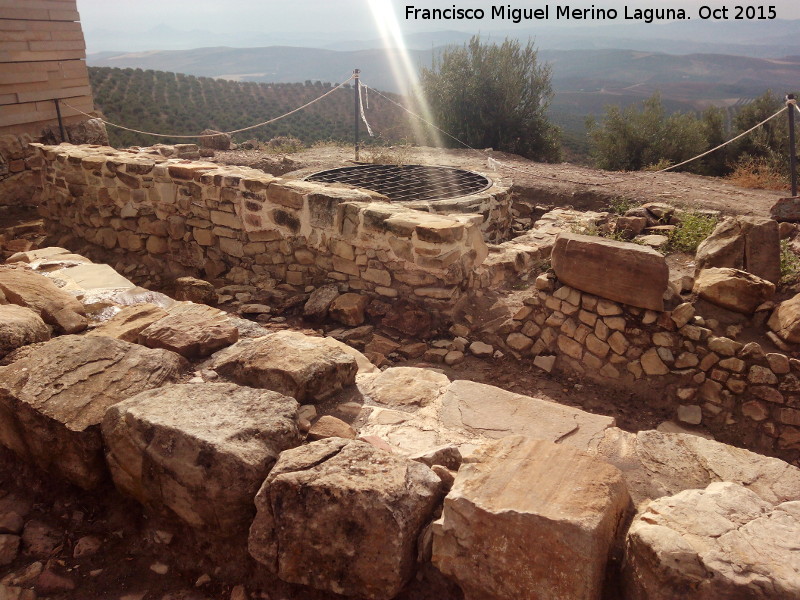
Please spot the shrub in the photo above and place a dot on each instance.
(761, 173)
(693, 229)
(620, 205)
(284, 144)
(493, 96)
(388, 155)
(790, 264)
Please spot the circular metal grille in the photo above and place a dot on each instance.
(402, 183)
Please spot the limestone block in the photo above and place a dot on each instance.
(720, 542)
(53, 400)
(619, 271)
(344, 517)
(297, 365)
(785, 320)
(530, 519)
(190, 334)
(201, 450)
(20, 326)
(404, 387)
(657, 464)
(733, 289)
(55, 306)
(349, 309)
(319, 302)
(493, 413)
(128, 323)
(751, 244)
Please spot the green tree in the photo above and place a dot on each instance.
(645, 136)
(490, 95)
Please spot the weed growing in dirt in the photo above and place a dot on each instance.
(692, 229)
(284, 144)
(759, 173)
(790, 264)
(620, 205)
(388, 155)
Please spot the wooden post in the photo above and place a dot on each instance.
(357, 114)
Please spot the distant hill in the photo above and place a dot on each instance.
(584, 81)
(164, 102)
(688, 78)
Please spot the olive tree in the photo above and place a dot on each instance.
(493, 95)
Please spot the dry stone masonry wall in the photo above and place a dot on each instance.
(741, 393)
(245, 225)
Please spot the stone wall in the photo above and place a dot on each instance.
(739, 392)
(17, 181)
(188, 217)
(42, 57)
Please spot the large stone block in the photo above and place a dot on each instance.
(20, 326)
(343, 516)
(129, 322)
(733, 289)
(189, 334)
(721, 542)
(298, 365)
(465, 412)
(751, 244)
(657, 464)
(785, 320)
(627, 273)
(201, 450)
(53, 400)
(55, 306)
(530, 519)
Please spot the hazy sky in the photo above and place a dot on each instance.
(331, 15)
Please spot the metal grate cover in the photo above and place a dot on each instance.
(402, 183)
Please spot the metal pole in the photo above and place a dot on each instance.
(60, 122)
(791, 103)
(357, 114)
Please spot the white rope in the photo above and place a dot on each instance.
(494, 161)
(741, 135)
(361, 108)
(164, 135)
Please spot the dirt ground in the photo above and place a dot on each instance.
(562, 184)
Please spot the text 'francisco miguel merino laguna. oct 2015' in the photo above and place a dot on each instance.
(565, 12)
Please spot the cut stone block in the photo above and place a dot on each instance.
(343, 516)
(55, 306)
(189, 334)
(20, 326)
(53, 400)
(733, 289)
(128, 323)
(721, 542)
(201, 450)
(619, 271)
(657, 464)
(301, 366)
(530, 519)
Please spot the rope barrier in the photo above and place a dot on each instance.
(741, 135)
(299, 108)
(494, 161)
(491, 161)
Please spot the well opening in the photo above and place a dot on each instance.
(408, 183)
